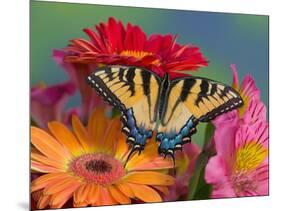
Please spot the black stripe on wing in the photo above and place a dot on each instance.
(101, 88)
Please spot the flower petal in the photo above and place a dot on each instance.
(47, 103)
(105, 197)
(39, 167)
(65, 137)
(118, 195)
(148, 154)
(47, 161)
(47, 145)
(125, 189)
(149, 178)
(96, 128)
(155, 164)
(59, 199)
(81, 133)
(60, 185)
(112, 134)
(121, 149)
(47, 179)
(216, 174)
(80, 195)
(145, 193)
(93, 194)
(163, 189)
(43, 201)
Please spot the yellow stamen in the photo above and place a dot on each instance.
(250, 156)
(138, 55)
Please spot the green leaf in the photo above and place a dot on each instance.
(198, 188)
(208, 133)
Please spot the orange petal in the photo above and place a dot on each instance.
(47, 161)
(80, 195)
(39, 167)
(105, 197)
(121, 149)
(93, 194)
(118, 195)
(96, 127)
(126, 189)
(47, 145)
(81, 133)
(145, 193)
(47, 179)
(149, 178)
(149, 153)
(65, 137)
(61, 185)
(59, 199)
(163, 189)
(43, 201)
(111, 136)
(155, 164)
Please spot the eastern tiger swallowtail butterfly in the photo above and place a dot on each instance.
(171, 108)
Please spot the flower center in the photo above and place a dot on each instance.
(244, 184)
(97, 168)
(139, 55)
(250, 156)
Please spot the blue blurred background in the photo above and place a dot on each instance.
(224, 38)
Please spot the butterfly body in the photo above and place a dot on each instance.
(170, 108)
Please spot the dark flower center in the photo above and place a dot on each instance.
(99, 166)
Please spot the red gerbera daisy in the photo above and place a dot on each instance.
(112, 43)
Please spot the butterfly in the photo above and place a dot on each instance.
(170, 108)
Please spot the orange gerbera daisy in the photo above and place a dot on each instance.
(88, 166)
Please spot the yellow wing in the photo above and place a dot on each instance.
(129, 88)
(197, 98)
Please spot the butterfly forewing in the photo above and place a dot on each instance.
(134, 92)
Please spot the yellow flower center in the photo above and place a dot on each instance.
(250, 156)
(139, 55)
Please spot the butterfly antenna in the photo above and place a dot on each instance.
(130, 155)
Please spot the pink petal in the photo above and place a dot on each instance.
(249, 88)
(235, 82)
(47, 103)
(224, 137)
(256, 111)
(216, 174)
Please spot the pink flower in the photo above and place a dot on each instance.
(47, 103)
(78, 74)
(185, 162)
(248, 89)
(240, 167)
(253, 108)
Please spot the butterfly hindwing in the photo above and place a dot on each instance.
(191, 100)
(134, 92)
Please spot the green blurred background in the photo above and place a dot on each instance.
(223, 38)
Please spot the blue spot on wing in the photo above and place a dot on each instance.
(136, 134)
(172, 141)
